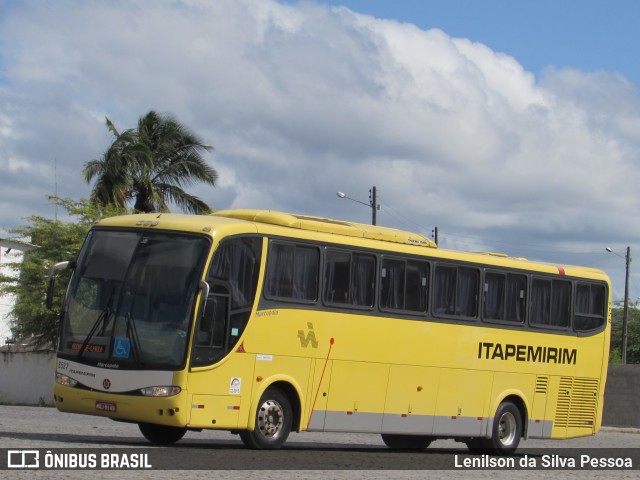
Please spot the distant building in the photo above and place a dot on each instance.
(11, 251)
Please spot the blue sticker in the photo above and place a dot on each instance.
(121, 348)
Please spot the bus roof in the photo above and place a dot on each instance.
(327, 225)
(249, 221)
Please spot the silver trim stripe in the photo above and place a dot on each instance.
(364, 422)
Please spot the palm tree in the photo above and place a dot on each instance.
(150, 165)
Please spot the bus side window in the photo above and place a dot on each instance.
(467, 292)
(233, 277)
(417, 286)
(504, 297)
(292, 272)
(337, 277)
(363, 278)
(349, 278)
(392, 284)
(560, 303)
(444, 290)
(455, 291)
(236, 264)
(550, 302)
(516, 298)
(404, 285)
(540, 301)
(494, 296)
(589, 307)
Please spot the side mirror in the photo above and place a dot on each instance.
(52, 280)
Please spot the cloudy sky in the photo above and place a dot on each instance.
(511, 129)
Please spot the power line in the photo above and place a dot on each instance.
(412, 225)
(402, 219)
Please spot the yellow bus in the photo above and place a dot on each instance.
(261, 323)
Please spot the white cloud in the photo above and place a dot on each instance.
(301, 101)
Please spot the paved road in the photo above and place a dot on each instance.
(306, 455)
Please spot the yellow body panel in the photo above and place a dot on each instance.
(221, 394)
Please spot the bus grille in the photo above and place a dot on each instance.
(542, 383)
(577, 402)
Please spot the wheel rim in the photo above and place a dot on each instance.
(271, 418)
(507, 429)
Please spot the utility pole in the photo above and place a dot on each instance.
(625, 315)
(55, 188)
(373, 200)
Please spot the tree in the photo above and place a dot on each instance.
(150, 165)
(633, 336)
(56, 241)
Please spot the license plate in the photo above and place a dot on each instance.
(106, 406)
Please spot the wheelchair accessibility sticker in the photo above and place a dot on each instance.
(121, 348)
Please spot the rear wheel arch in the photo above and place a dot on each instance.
(518, 399)
(522, 408)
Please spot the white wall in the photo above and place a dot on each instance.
(27, 378)
(6, 301)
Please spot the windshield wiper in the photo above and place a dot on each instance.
(104, 318)
(132, 334)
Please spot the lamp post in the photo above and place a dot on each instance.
(373, 202)
(625, 313)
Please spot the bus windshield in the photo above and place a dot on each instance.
(131, 299)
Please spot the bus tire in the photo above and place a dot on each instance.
(477, 445)
(161, 434)
(274, 418)
(406, 442)
(507, 430)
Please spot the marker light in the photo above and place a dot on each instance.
(65, 380)
(160, 391)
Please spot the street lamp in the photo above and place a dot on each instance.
(625, 314)
(373, 202)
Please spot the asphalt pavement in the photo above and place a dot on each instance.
(81, 440)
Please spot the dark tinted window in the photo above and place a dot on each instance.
(404, 285)
(455, 291)
(293, 272)
(504, 297)
(349, 278)
(590, 307)
(237, 264)
(550, 302)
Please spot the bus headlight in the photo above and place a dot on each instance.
(160, 391)
(65, 380)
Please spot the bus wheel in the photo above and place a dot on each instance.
(274, 418)
(161, 433)
(477, 445)
(507, 430)
(409, 442)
